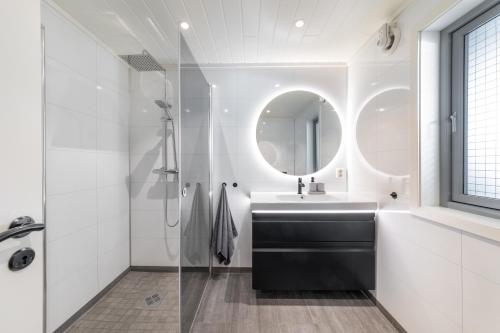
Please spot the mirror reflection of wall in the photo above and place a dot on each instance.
(382, 132)
(299, 133)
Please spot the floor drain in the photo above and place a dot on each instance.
(152, 300)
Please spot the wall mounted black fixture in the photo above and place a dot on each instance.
(394, 195)
(234, 184)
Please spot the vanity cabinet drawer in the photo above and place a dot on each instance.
(313, 269)
(277, 228)
(313, 251)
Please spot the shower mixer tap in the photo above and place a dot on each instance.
(165, 171)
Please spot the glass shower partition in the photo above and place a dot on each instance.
(195, 183)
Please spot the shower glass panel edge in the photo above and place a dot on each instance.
(196, 184)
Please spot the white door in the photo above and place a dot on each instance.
(21, 292)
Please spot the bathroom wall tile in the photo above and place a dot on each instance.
(112, 201)
(194, 140)
(155, 251)
(112, 105)
(68, 44)
(149, 234)
(70, 295)
(87, 167)
(404, 303)
(151, 223)
(113, 262)
(112, 137)
(146, 140)
(68, 129)
(191, 170)
(146, 112)
(481, 300)
(71, 253)
(111, 70)
(113, 230)
(142, 166)
(67, 213)
(435, 278)
(70, 171)
(69, 89)
(150, 195)
(482, 257)
(112, 169)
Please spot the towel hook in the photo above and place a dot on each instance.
(234, 184)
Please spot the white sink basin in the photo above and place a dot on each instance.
(331, 201)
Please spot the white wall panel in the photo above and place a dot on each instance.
(237, 101)
(153, 243)
(481, 303)
(87, 167)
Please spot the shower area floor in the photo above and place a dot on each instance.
(139, 302)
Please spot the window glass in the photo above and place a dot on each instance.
(482, 118)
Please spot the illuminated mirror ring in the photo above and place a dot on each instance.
(381, 131)
(298, 132)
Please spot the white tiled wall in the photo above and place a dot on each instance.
(419, 273)
(153, 243)
(431, 278)
(87, 167)
(237, 101)
(379, 132)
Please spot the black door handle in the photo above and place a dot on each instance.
(21, 227)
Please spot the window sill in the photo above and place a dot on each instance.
(482, 226)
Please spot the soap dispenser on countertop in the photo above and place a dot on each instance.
(312, 186)
(316, 188)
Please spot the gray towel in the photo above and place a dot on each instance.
(196, 229)
(224, 230)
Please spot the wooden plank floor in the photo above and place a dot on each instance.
(230, 305)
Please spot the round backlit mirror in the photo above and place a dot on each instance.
(299, 133)
(382, 132)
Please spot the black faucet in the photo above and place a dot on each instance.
(300, 185)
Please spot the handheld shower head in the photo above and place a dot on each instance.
(162, 104)
(165, 107)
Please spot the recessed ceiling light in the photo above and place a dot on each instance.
(268, 111)
(214, 86)
(98, 87)
(299, 23)
(187, 110)
(184, 25)
(277, 85)
(226, 110)
(381, 109)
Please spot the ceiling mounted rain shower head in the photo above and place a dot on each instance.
(143, 62)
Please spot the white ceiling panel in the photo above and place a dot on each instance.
(234, 25)
(215, 16)
(268, 15)
(236, 31)
(250, 12)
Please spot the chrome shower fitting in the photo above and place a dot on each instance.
(143, 62)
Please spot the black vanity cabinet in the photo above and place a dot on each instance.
(313, 251)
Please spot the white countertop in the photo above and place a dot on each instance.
(290, 201)
(479, 225)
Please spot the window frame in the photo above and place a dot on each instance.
(453, 83)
